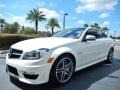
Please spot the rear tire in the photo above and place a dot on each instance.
(62, 70)
(110, 56)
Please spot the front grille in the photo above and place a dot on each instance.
(14, 53)
(12, 70)
(14, 56)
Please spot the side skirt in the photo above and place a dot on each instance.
(85, 66)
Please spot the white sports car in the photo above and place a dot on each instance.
(55, 59)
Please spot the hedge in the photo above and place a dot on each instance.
(6, 40)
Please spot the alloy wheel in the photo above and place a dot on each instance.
(64, 69)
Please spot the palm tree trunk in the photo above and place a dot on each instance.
(52, 30)
(107, 32)
(36, 26)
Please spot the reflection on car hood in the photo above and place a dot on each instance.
(37, 43)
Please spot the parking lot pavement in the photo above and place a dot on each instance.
(97, 77)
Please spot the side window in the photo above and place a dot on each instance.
(101, 34)
(92, 32)
(98, 34)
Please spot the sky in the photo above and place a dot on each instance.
(103, 12)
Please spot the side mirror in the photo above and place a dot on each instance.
(90, 38)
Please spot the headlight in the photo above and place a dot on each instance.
(35, 54)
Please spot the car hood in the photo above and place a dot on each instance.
(37, 43)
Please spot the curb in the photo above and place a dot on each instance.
(3, 51)
(3, 54)
(2, 57)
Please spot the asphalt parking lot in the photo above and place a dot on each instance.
(97, 77)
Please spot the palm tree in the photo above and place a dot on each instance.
(105, 29)
(96, 25)
(52, 23)
(34, 16)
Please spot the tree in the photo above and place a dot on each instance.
(11, 28)
(43, 33)
(34, 16)
(86, 25)
(52, 23)
(105, 29)
(2, 23)
(16, 26)
(27, 30)
(96, 25)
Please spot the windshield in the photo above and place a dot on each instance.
(74, 33)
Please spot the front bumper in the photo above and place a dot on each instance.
(29, 72)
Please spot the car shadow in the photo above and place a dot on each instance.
(81, 80)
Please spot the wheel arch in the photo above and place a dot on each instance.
(70, 54)
(65, 53)
(61, 51)
(111, 48)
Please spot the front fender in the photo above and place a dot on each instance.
(62, 50)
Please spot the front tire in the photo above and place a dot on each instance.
(62, 70)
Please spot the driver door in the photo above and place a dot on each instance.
(88, 50)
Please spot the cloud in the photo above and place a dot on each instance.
(62, 11)
(105, 24)
(21, 20)
(95, 5)
(49, 13)
(104, 15)
(81, 22)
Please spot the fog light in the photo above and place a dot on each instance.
(30, 75)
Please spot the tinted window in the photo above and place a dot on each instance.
(101, 34)
(97, 33)
(92, 32)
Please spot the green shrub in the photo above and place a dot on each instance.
(27, 30)
(6, 40)
(11, 28)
